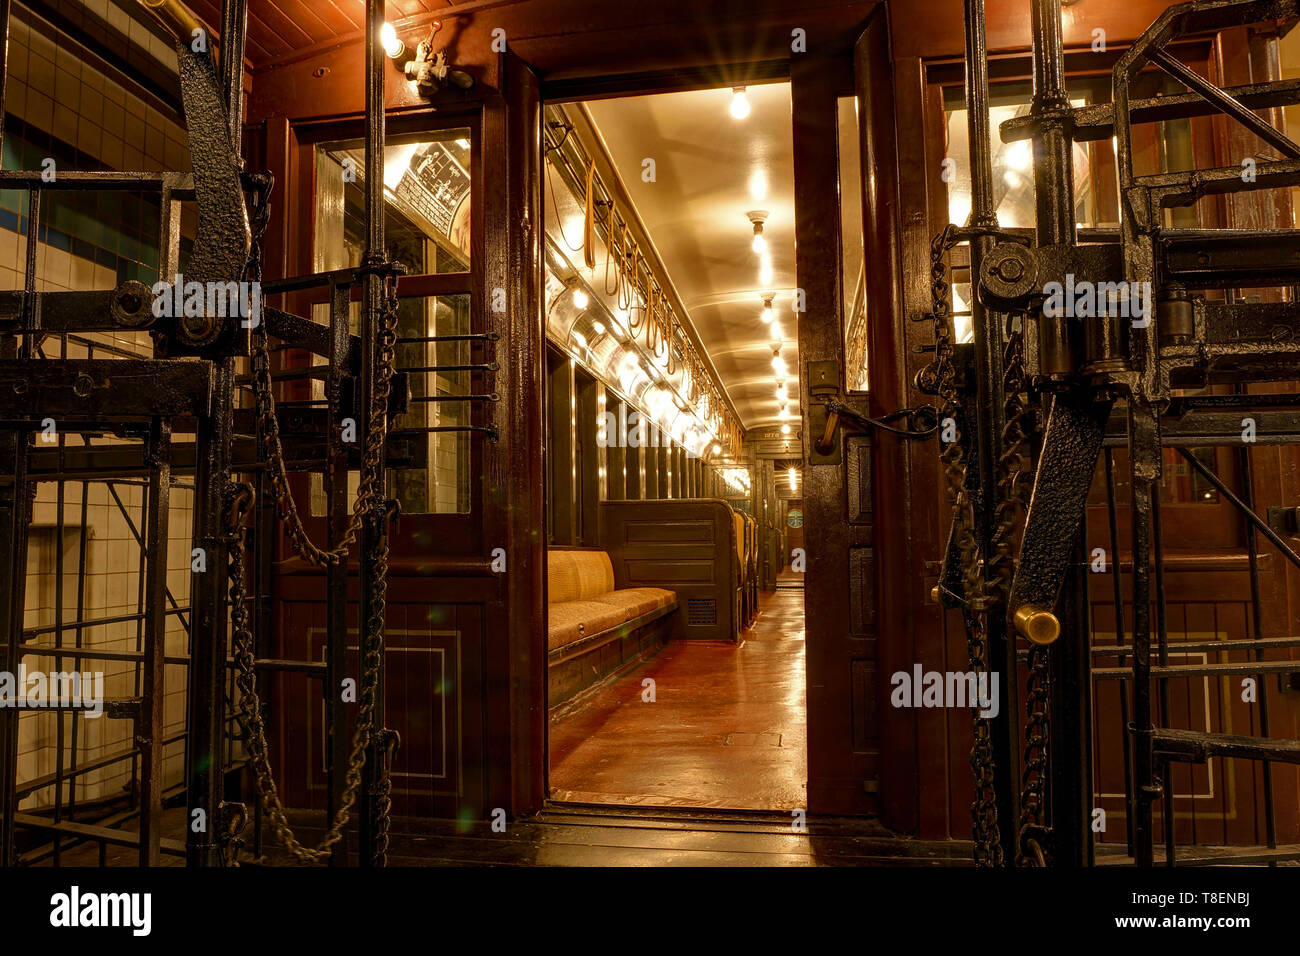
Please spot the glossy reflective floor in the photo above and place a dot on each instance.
(727, 727)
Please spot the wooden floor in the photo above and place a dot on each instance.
(727, 728)
(575, 836)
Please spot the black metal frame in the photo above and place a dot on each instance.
(116, 392)
(1080, 368)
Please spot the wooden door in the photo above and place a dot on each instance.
(842, 108)
(465, 667)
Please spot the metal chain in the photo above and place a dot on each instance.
(984, 810)
(1013, 495)
(368, 505)
(376, 434)
(249, 709)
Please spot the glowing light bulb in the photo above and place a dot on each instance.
(580, 298)
(739, 103)
(785, 429)
(717, 449)
(759, 245)
(393, 46)
(767, 310)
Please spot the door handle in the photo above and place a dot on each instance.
(922, 422)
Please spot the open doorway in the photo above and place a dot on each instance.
(676, 656)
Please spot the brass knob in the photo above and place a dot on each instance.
(1037, 623)
(934, 594)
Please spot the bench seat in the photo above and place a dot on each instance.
(637, 601)
(593, 628)
(573, 620)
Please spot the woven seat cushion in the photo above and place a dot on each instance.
(577, 575)
(573, 620)
(637, 601)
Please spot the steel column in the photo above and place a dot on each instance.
(373, 538)
(990, 344)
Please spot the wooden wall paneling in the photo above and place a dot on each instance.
(615, 456)
(634, 459)
(591, 458)
(650, 472)
(561, 460)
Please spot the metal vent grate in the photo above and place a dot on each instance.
(701, 611)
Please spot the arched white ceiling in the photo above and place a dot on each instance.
(710, 170)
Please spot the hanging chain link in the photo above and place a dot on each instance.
(368, 506)
(984, 810)
(376, 434)
(986, 580)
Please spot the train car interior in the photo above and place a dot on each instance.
(670, 335)
(709, 432)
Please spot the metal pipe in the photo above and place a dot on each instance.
(234, 30)
(1162, 648)
(1247, 512)
(1053, 170)
(373, 536)
(1117, 596)
(178, 18)
(1257, 627)
(989, 345)
(1226, 103)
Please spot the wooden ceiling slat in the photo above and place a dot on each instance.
(256, 49)
(348, 14)
(306, 17)
(285, 27)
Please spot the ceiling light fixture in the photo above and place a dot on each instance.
(739, 103)
(580, 299)
(758, 217)
(785, 429)
(767, 308)
(393, 45)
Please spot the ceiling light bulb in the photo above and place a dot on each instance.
(759, 245)
(717, 449)
(767, 310)
(781, 415)
(393, 46)
(785, 429)
(580, 298)
(739, 103)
